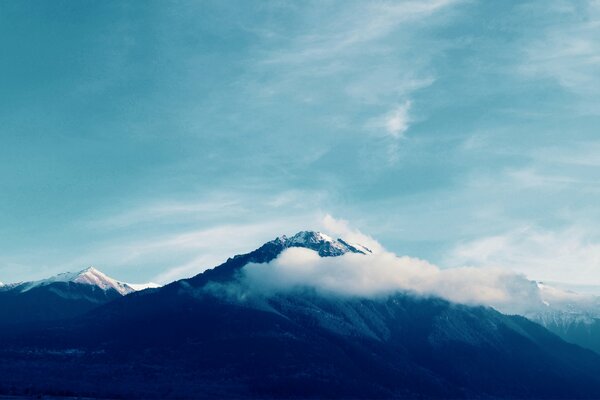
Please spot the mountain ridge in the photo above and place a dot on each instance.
(88, 276)
(195, 343)
(62, 296)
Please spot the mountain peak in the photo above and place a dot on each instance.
(89, 276)
(312, 236)
(319, 242)
(91, 270)
(323, 244)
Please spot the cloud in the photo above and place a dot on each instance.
(579, 154)
(188, 268)
(384, 273)
(394, 124)
(168, 238)
(171, 211)
(359, 63)
(354, 27)
(166, 255)
(185, 254)
(567, 51)
(341, 228)
(195, 251)
(569, 255)
(397, 121)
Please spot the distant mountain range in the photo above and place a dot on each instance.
(60, 297)
(204, 337)
(572, 316)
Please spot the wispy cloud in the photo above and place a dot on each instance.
(170, 211)
(383, 274)
(210, 247)
(366, 58)
(341, 228)
(184, 254)
(353, 27)
(397, 122)
(170, 238)
(568, 255)
(392, 125)
(568, 50)
(217, 205)
(586, 154)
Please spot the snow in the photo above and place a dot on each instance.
(141, 286)
(318, 240)
(306, 237)
(89, 276)
(360, 247)
(563, 308)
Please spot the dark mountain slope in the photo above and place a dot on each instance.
(61, 297)
(188, 340)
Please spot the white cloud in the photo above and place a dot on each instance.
(186, 254)
(393, 124)
(567, 51)
(189, 268)
(494, 278)
(165, 256)
(342, 229)
(385, 273)
(356, 26)
(584, 154)
(364, 59)
(170, 210)
(397, 121)
(172, 238)
(569, 256)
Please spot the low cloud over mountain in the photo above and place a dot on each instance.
(384, 273)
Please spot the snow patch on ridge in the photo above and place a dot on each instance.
(89, 276)
(142, 286)
(323, 244)
(564, 307)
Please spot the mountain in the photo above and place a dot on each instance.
(89, 276)
(573, 316)
(205, 337)
(62, 296)
(321, 243)
(324, 245)
(580, 329)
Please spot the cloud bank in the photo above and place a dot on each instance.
(341, 228)
(569, 256)
(384, 273)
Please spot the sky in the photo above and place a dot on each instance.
(155, 139)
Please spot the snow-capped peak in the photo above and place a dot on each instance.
(322, 243)
(89, 276)
(305, 237)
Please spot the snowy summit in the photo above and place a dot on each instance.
(89, 276)
(323, 244)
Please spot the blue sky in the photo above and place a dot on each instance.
(155, 139)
